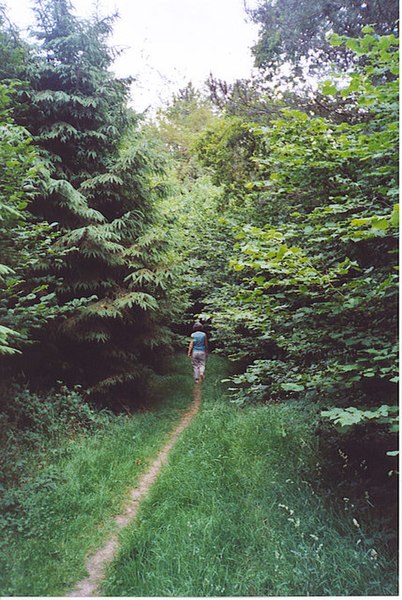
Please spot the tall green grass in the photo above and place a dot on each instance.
(235, 514)
(65, 510)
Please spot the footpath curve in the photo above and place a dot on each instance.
(97, 563)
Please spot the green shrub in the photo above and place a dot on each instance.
(30, 423)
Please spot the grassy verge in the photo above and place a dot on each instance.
(235, 514)
(65, 509)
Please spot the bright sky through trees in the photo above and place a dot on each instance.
(170, 42)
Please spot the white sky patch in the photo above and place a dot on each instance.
(170, 42)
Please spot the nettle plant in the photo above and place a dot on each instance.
(319, 288)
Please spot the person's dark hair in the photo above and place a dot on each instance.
(198, 327)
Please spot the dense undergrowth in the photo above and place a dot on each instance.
(241, 510)
(33, 427)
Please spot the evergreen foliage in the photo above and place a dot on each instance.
(96, 189)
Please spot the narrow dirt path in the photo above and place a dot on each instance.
(98, 562)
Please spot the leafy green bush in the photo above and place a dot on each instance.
(315, 314)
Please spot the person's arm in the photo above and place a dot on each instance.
(190, 349)
(206, 344)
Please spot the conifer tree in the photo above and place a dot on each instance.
(110, 280)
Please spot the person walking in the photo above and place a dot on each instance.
(197, 351)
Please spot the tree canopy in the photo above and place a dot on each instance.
(294, 32)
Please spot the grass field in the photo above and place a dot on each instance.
(235, 514)
(236, 511)
(66, 509)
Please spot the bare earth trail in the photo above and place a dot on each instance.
(98, 562)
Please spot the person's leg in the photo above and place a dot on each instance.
(203, 358)
(195, 359)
